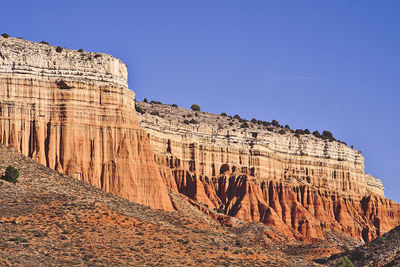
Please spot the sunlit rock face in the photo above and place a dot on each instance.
(302, 185)
(73, 112)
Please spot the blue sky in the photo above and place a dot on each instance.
(331, 65)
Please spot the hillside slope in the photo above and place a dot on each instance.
(49, 219)
(383, 251)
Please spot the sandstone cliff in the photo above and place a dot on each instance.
(73, 112)
(302, 185)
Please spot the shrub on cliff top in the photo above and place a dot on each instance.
(5, 35)
(244, 125)
(275, 123)
(223, 114)
(195, 107)
(44, 42)
(59, 49)
(80, 50)
(316, 134)
(11, 175)
(145, 100)
(139, 110)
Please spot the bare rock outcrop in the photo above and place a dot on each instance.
(73, 112)
(301, 185)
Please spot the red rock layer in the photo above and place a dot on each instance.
(298, 210)
(89, 131)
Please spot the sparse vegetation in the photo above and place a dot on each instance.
(59, 49)
(5, 35)
(174, 105)
(316, 134)
(140, 110)
(275, 123)
(44, 42)
(244, 125)
(346, 262)
(145, 100)
(155, 102)
(281, 131)
(195, 107)
(223, 114)
(80, 50)
(11, 175)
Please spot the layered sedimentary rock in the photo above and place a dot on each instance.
(300, 184)
(73, 112)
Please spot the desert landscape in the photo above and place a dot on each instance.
(106, 180)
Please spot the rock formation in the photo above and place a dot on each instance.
(300, 184)
(73, 112)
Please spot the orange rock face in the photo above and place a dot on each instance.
(261, 177)
(74, 113)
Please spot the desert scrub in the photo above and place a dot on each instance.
(11, 175)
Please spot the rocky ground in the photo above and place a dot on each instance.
(383, 251)
(49, 219)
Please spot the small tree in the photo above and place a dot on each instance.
(145, 100)
(275, 123)
(224, 114)
(5, 35)
(195, 107)
(244, 125)
(11, 175)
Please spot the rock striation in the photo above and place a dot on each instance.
(301, 185)
(73, 112)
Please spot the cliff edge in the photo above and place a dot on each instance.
(301, 184)
(73, 112)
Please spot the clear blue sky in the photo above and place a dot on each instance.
(331, 65)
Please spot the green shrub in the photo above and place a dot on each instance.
(281, 131)
(237, 117)
(5, 35)
(306, 131)
(155, 102)
(275, 123)
(140, 110)
(59, 49)
(346, 262)
(11, 175)
(80, 50)
(253, 120)
(287, 126)
(145, 100)
(97, 55)
(316, 134)
(174, 105)
(44, 42)
(224, 114)
(195, 107)
(244, 125)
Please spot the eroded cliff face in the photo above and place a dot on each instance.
(73, 112)
(302, 185)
